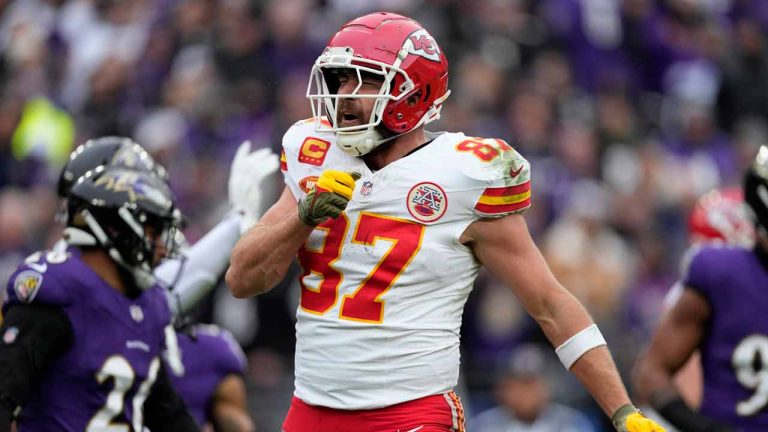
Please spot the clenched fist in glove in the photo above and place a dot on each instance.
(629, 419)
(328, 197)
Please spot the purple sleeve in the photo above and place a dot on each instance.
(37, 283)
(232, 357)
(697, 274)
(223, 353)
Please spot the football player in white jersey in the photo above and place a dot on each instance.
(391, 224)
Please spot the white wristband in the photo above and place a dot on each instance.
(578, 344)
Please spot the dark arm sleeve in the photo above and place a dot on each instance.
(30, 337)
(164, 409)
(684, 418)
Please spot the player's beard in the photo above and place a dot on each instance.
(385, 133)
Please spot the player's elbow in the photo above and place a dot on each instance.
(238, 281)
(247, 278)
(235, 283)
(550, 308)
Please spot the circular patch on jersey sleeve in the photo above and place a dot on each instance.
(427, 202)
(26, 285)
(307, 183)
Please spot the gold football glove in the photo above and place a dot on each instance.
(328, 197)
(629, 419)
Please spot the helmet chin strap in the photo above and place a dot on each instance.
(77, 237)
(360, 143)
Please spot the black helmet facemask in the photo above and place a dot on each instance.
(127, 213)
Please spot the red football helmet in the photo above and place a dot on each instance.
(408, 59)
(721, 215)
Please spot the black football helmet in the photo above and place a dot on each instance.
(106, 151)
(756, 189)
(126, 212)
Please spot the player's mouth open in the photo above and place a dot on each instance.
(348, 119)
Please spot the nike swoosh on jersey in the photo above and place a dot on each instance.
(516, 172)
(415, 429)
(40, 268)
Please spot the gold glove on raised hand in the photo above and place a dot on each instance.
(629, 419)
(328, 197)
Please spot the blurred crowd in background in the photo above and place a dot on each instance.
(628, 110)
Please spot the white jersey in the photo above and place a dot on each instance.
(384, 284)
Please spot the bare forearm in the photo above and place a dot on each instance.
(597, 372)
(595, 369)
(229, 408)
(651, 378)
(674, 342)
(262, 256)
(506, 248)
(232, 419)
(561, 316)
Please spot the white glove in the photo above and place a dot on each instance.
(246, 178)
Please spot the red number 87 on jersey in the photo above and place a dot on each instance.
(484, 149)
(365, 303)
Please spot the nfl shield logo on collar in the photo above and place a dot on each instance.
(136, 313)
(365, 189)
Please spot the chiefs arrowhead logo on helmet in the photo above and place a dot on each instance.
(421, 43)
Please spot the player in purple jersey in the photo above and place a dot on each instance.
(211, 385)
(84, 328)
(194, 272)
(210, 378)
(721, 313)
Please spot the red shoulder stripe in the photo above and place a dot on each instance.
(502, 208)
(511, 190)
(283, 162)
